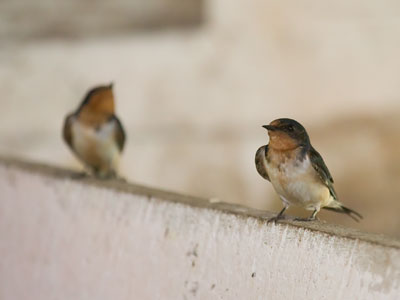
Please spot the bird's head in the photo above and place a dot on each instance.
(286, 134)
(98, 101)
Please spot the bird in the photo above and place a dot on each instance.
(297, 171)
(95, 134)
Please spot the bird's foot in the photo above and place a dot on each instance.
(309, 219)
(313, 217)
(79, 175)
(106, 175)
(279, 216)
(121, 179)
(275, 219)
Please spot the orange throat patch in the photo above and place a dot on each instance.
(281, 141)
(93, 119)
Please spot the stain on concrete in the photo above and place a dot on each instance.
(193, 251)
(166, 232)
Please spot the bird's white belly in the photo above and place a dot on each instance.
(298, 184)
(96, 148)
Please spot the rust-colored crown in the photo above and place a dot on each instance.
(98, 105)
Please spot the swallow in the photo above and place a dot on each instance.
(297, 171)
(95, 134)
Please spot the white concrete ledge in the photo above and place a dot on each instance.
(64, 238)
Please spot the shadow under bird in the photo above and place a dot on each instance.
(297, 171)
(95, 134)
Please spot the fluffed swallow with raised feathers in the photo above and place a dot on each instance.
(95, 134)
(297, 171)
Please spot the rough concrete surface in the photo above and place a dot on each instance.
(193, 100)
(63, 238)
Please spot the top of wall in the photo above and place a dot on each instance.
(262, 216)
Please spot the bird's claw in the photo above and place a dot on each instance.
(275, 219)
(79, 175)
(306, 219)
(121, 179)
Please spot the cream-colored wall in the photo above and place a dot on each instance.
(28, 21)
(193, 100)
(70, 239)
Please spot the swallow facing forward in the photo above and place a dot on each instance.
(297, 171)
(95, 134)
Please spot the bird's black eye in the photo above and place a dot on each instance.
(290, 128)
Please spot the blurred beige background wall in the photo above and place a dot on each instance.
(193, 99)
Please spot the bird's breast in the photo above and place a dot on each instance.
(295, 179)
(95, 145)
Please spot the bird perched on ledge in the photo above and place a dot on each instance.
(95, 134)
(297, 171)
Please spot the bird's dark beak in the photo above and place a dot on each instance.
(269, 127)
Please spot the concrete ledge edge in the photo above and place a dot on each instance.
(198, 202)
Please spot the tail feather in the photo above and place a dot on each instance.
(344, 210)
